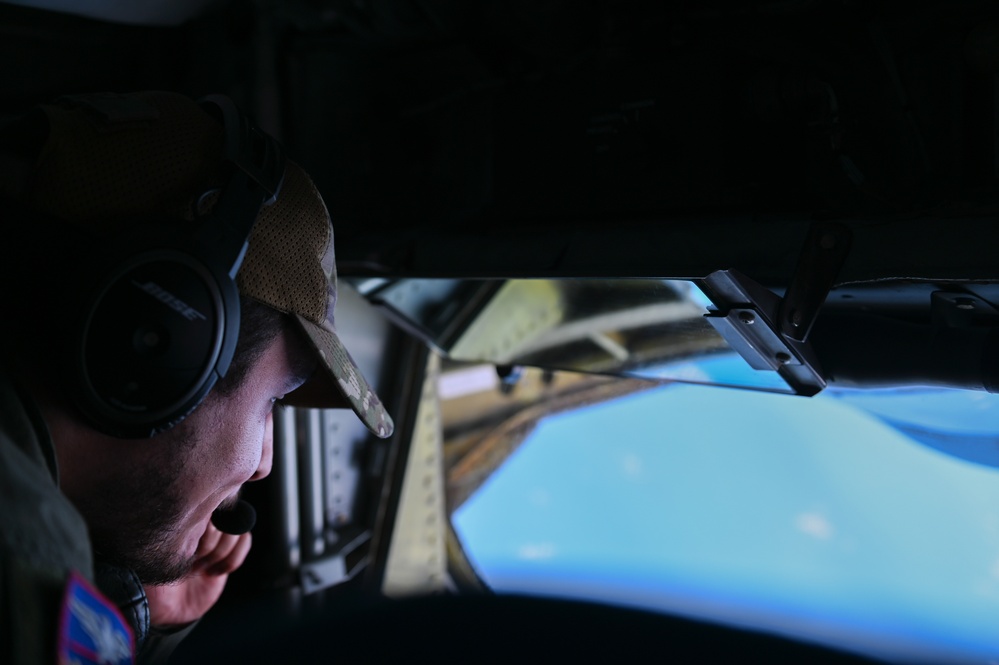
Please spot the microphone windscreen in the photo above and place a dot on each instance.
(237, 520)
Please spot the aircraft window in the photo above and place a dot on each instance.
(637, 328)
(849, 518)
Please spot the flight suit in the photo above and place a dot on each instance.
(46, 566)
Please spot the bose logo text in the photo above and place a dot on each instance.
(170, 300)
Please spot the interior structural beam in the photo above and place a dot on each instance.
(924, 249)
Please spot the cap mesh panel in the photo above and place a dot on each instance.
(283, 267)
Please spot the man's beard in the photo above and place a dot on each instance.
(134, 518)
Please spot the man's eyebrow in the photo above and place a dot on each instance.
(302, 372)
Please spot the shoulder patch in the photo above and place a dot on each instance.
(91, 629)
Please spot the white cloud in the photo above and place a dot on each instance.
(540, 497)
(815, 525)
(994, 570)
(632, 465)
(536, 551)
(688, 372)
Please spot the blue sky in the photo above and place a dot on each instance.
(804, 515)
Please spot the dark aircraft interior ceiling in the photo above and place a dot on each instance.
(626, 139)
(837, 154)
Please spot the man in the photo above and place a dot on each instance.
(126, 216)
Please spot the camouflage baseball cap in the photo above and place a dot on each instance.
(109, 159)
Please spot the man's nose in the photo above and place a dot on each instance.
(267, 452)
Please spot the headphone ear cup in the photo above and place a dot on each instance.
(157, 334)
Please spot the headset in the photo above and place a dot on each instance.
(159, 327)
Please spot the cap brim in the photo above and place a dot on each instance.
(338, 383)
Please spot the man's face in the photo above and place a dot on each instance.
(152, 505)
